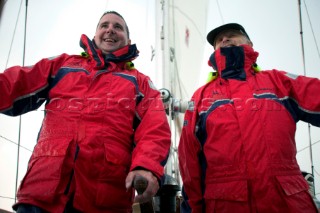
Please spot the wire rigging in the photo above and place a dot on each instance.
(20, 117)
(220, 12)
(310, 23)
(304, 70)
(14, 32)
(190, 19)
(308, 146)
(8, 140)
(5, 197)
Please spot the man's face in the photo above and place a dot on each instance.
(230, 38)
(111, 33)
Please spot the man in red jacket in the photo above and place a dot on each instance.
(237, 150)
(104, 125)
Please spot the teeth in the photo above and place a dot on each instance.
(109, 40)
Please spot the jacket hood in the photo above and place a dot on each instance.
(234, 62)
(124, 54)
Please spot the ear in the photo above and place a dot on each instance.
(250, 43)
(129, 41)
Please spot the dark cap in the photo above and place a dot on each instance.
(232, 26)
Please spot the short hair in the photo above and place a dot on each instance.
(118, 14)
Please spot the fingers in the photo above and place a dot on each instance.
(152, 185)
(151, 189)
(129, 180)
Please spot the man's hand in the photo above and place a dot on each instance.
(152, 187)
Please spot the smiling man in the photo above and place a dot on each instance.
(104, 125)
(112, 33)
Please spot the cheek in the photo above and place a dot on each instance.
(217, 45)
(98, 35)
(96, 41)
(95, 38)
(242, 41)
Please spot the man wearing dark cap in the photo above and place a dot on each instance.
(233, 30)
(237, 149)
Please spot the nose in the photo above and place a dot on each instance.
(225, 39)
(110, 29)
(222, 41)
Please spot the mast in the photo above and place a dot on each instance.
(166, 33)
(305, 73)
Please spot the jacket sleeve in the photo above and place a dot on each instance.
(189, 152)
(152, 135)
(23, 89)
(304, 98)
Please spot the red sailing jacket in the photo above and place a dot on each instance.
(237, 150)
(103, 119)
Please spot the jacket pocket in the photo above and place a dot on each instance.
(44, 171)
(292, 184)
(111, 192)
(227, 196)
(116, 163)
(296, 194)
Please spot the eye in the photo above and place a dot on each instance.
(118, 26)
(104, 25)
(233, 35)
(218, 40)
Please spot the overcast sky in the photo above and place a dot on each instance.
(54, 27)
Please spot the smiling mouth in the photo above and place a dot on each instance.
(109, 40)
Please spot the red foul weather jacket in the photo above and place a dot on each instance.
(102, 119)
(237, 151)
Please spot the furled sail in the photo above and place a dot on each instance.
(183, 39)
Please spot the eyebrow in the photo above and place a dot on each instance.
(108, 22)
